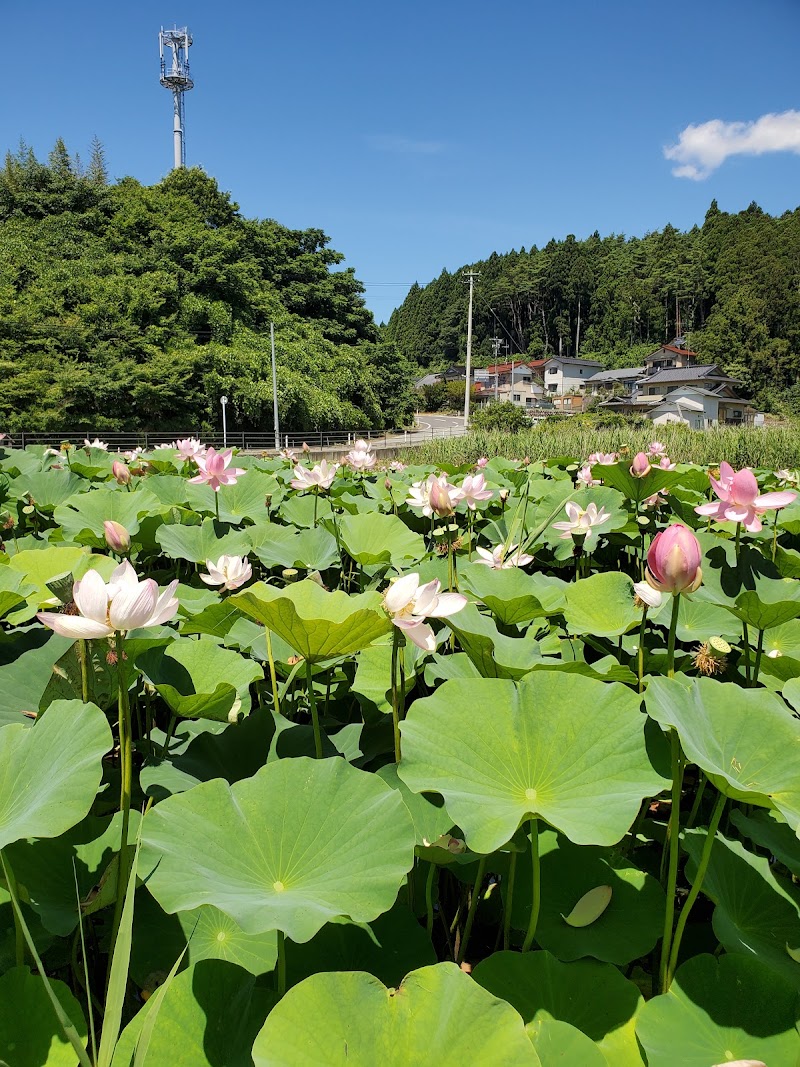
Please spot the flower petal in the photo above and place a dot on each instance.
(91, 597)
(401, 592)
(73, 626)
(447, 604)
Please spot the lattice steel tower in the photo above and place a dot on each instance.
(176, 78)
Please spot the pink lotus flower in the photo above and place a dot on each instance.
(673, 561)
(319, 477)
(584, 479)
(410, 604)
(215, 469)
(664, 464)
(606, 459)
(580, 522)
(500, 559)
(473, 489)
(123, 604)
(229, 571)
(655, 448)
(739, 500)
(434, 495)
(121, 472)
(189, 448)
(640, 467)
(396, 466)
(482, 462)
(360, 459)
(288, 453)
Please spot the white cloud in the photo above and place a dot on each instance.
(406, 146)
(703, 148)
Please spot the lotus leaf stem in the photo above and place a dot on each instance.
(432, 869)
(746, 643)
(312, 700)
(83, 659)
(536, 885)
(640, 650)
(19, 933)
(673, 625)
(473, 907)
(281, 938)
(126, 783)
(512, 871)
(396, 696)
(757, 664)
(673, 847)
(694, 892)
(272, 675)
(696, 803)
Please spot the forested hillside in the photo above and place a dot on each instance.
(127, 306)
(735, 283)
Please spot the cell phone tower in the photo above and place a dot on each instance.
(176, 78)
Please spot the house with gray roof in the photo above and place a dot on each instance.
(698, 396)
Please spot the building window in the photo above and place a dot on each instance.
(552, 387)
(552, 370)
(516, 398)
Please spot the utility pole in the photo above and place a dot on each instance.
(496, 342)
(472, 275)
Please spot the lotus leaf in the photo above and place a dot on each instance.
(438, 1015)
(30, 1034)
(319, 625)
(500, 752)
(300, 843)
(718, 1010)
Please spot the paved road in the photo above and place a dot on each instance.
(428, 427)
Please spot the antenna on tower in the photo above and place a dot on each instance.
(176, 78)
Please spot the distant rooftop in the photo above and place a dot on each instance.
(572, 361)
(621, 374)
(676, 349)
(505, 368)
(706, 371)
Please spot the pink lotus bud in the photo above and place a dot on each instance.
(673, 562)
(117, 537)
(121, 472)
(440, 500)
(640, 467)
(481, 463)
(306, 448)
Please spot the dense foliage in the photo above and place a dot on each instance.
(520, 738)
(734, 281)
(124, 306)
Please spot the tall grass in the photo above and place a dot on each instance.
(772, 447)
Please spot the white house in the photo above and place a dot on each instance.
(699, 396)
(563, 374)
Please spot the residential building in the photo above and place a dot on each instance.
(565, 374)
(621, 382)
(699, 396)
(670, 357)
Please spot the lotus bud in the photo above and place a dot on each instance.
(526, 461)
(673, 561)
(306, 447)
(387, 485)
(640, 467)
(503, 494)
(121, 472)
(117, 537)
(481, 463)
(440, 501)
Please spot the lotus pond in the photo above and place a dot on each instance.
(317, 765)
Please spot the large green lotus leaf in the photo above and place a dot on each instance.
(719, 1010)
(40, 567)
(246, 499)
(170, 489)
(193, 599)
(198, 679)
(14, 590)
(494, 654)
(317, 624)
(628, 928)
(774, 602)
(66, 682)
(197, 754)
(430, 816)
(699, 620)
(751, 587)
(30, 1033)
(560, 1044)
(82, 516)
(767, 829)
(27, 660)
(209, 1017)
(593, 997)
(300, 843)
(374, 539)
(47, 489)
(438, 1015)
(286, 546)
(619, 477)
(601, 605)
(299, 509)
(500, 752)
(199, 543)
(47, 868)
(394, 945)
(511, 595)
(758, 912)
(50, 775)
(373, 680)
(783, 640)
(745, 740)
(158, 940)
(16, 461)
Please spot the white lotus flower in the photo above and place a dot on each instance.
(125, 603)
(435, 495)
(647, 594)
(410, 604)
(97, 443)
(360, 459)
(580, 522)
(190, 448)
(500, 560)
(319, 477)
(229, 571)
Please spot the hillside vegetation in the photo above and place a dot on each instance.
(125, 306)
(734, 282)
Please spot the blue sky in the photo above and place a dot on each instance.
(429, 134)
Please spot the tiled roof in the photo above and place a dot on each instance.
(688, 374)
(571, 361)
(672, 348)
(505, 368)
(621, 374)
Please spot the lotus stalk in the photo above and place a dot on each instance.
(536, 885)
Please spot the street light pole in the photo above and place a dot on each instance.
(224, 401)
